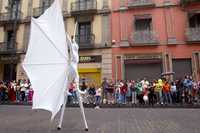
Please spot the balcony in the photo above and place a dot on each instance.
(8, 48)
(84, 7)
(193, 34)
(143, 38)
(10, 17)
(187, 2)
(39, 11)
(140, 3)
(85, 41)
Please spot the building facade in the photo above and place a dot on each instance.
(151, 37)
(93, 18)
(118, 39)
(93, 35)
(11, 43)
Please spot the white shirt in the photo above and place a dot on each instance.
(98, 92)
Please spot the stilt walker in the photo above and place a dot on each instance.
(73, 76)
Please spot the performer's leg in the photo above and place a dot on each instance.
(82, 109)
(62, 111)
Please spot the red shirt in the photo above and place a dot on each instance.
(123, 89)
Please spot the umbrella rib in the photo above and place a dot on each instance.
(52, 42)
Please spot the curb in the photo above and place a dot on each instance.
(181, 106)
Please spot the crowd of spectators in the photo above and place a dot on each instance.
(12, 91)
(159, 91)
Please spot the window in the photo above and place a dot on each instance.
(194, 20)
(9, 39)
(9, 72)
(46, 3)
(14, 8)
(84, 32)
(13, 4)
(143, 32)
(193, 31)
(82, 4)
(143, 24)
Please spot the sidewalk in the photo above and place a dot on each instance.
(196, 105)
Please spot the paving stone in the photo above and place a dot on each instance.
(21, 119)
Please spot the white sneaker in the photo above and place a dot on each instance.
(97, 107)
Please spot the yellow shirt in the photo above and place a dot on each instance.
(159, 86)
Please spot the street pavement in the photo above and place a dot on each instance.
(21, 119)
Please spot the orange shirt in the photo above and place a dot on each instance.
(166, 87)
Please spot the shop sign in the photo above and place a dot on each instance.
(143, 61)
(9, 59)
(128, 57)
(89, 59)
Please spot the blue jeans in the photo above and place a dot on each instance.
(98, 100)
(159, 96)
(1, 96)
(167, 97)
(134, 97)
(18, 95)
(117, 97)
(74, 97)
(123, 98)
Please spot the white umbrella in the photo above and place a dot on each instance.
(46, 60)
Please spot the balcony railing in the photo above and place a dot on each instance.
(88, 6)
(9, 48)
(140, 3)
(143, 37)
(10, 16)
(193, 34)
(187, 2)
(39, 11)
(85, 41)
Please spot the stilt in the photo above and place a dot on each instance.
(62, 111)
(82, 109)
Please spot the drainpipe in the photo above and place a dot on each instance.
(165, 21)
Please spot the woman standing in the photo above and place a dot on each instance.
(98, 97)
(11, 92)
(123, 91)
(174, 92)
